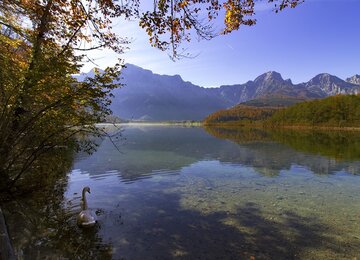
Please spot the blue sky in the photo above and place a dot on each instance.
(317, 36)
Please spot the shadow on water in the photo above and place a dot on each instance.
(166, 230)
(42, 225)
(158, 226)
(41, 228)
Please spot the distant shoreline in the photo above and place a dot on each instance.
(234, 126)
(165, 123)
(335, 128)
(292, 127)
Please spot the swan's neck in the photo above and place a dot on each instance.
(84, 202)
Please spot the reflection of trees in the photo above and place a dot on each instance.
(335, 144)
(321, 152)
(47, 171)
(41, 226)
(239, 135)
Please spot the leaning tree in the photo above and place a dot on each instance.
(44, 42)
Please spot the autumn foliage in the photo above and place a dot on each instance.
(42, 107)
(335, 111)
(171, 22)
(240, 114)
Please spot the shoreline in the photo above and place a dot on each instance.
(291, 127)
(152, 124)
(234, 126)
(330, 128)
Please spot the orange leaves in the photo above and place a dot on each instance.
(87, 24)
(172, 22)
(182, 4)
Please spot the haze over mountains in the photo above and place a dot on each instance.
(153, 97)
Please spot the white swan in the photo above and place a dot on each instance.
(85, 218)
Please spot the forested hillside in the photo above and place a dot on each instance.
(240, 114)
(335, 111)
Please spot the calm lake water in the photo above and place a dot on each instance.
(185, 193)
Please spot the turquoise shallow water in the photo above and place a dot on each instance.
(181, 193)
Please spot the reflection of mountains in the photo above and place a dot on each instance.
(150, 150)
(158, 150)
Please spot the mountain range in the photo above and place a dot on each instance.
(152, 97)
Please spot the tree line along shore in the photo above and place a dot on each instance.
(335, 112)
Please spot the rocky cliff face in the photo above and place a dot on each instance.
(266, 85)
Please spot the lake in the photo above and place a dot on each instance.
(165, 192)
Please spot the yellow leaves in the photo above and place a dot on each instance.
(86, 24)
(233, 15)
(12, 43)
(15, 50)
(235, 12)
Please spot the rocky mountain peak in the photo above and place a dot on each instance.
(324, 79)
(273, 74)
(331, 85)
(269, 77)
(354, 79)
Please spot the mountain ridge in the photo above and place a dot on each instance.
(154, 97)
